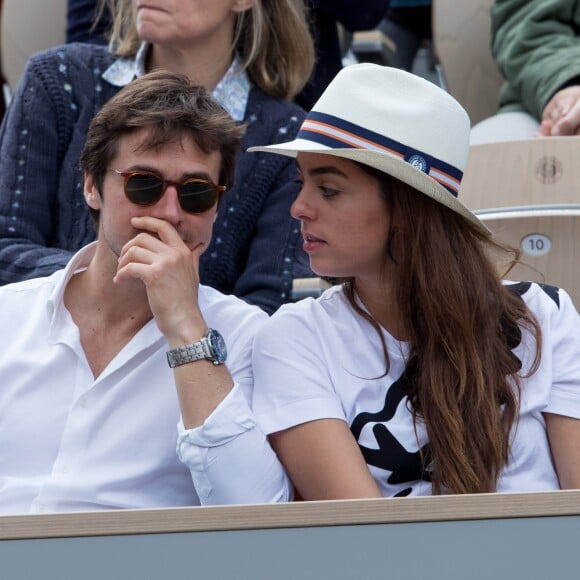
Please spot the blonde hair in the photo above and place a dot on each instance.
(272, 39)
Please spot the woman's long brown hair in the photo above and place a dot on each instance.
(461, 322)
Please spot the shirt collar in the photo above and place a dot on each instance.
(79, 262)
(231, 92)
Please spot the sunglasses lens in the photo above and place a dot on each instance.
(197, 196)
(144, 189)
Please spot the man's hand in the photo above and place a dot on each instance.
(169, 268)
(170, 271)
(561, 115)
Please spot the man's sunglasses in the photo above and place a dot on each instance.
(146, 188)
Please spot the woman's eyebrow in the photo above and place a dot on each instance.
(325, 169)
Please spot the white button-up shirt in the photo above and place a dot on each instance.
(70, 442)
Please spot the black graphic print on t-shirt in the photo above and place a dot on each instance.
(391, 455)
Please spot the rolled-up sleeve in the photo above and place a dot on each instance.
(230, 458)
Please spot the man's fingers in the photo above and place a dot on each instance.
(164, 230)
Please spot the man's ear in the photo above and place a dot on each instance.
(92, 195)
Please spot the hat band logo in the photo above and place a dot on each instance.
(418, 162)
(336, 133)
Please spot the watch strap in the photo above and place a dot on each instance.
(189, 353)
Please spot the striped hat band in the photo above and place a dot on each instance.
(337, 133)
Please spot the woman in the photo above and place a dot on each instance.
(419, 372)
(253, 55)
(324, 15)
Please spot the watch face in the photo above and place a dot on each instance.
(217, 345)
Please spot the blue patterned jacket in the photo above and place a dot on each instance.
(256, 248)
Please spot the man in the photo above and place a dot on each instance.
(89, 405)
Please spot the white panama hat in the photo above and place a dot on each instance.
(394, 121)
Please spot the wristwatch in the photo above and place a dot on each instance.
(212, 347)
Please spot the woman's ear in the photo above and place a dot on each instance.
(243, 5)
(92, 195)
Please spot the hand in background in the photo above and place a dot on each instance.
(561, 115)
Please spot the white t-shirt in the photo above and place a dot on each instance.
(69, 442)
(319, 359)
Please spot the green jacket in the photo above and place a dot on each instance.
(537, 48)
